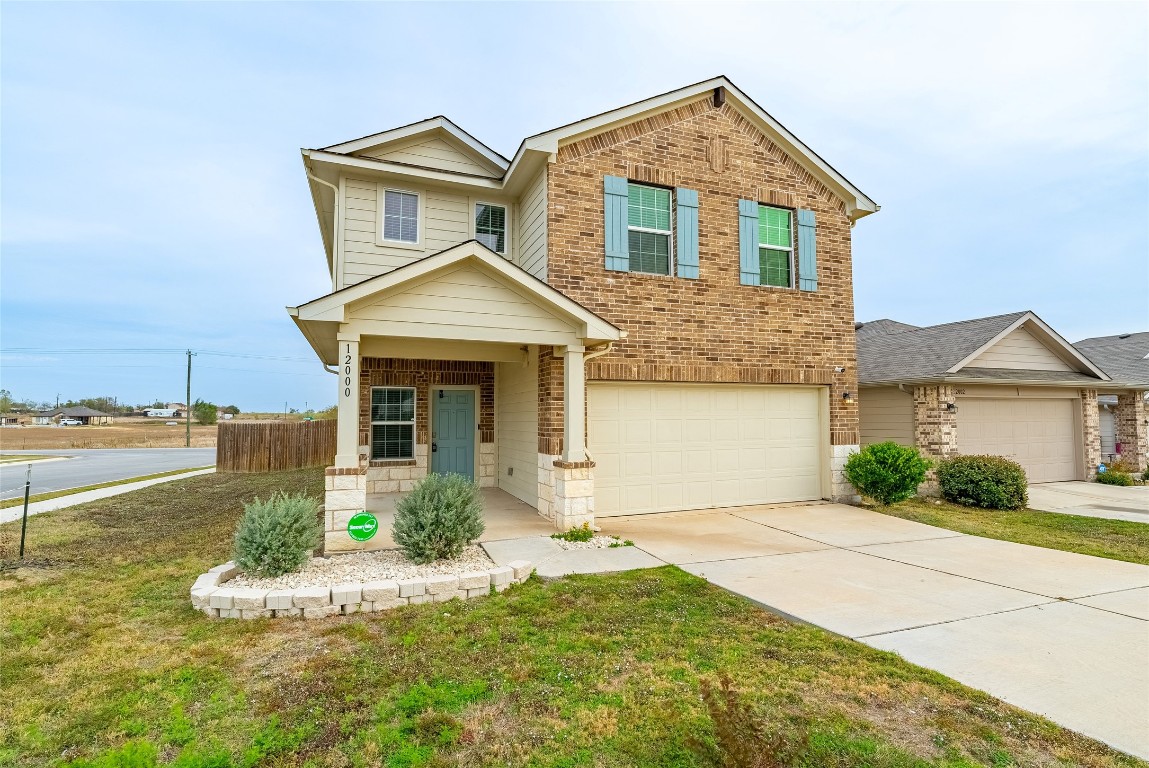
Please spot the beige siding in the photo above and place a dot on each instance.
(531, 243)
(517, 427)
(1021, 351)
(443, 223)
(430, 152)
(460, 301)
(886, 413)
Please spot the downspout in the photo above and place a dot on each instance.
(591, 356)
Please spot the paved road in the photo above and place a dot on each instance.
(97, 465)
(1092, 500)
(1057, 633)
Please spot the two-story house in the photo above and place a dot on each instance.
(646, 310)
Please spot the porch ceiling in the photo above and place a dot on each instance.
(464, 294)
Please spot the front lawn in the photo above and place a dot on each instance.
(104, 658)
(1114, 539)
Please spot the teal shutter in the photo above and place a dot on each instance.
(617, 250)
(748, 242)
(807, 253)
(687, 232)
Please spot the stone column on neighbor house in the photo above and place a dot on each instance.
(841, 490)
(345, 491)
(1090, 432)
(935, 428)
(573, 474)
(1131, 431)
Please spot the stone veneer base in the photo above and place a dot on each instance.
(211, 595)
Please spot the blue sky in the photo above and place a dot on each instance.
(153, 195)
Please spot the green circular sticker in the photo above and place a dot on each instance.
(362, 526)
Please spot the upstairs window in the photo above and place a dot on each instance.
(775, 246)
(648, 229)
(400, 216)
(392, 423)
(491, 227)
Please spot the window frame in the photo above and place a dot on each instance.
(671, 266)
(475, 203)
(789, 249)
(384, 423)
(381, 213)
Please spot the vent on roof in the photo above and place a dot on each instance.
(1124, 336)
(857, 326)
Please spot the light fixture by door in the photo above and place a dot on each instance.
(848, 397)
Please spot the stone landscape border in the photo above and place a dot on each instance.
(211, 594)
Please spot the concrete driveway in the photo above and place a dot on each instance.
(1056, 633)
(1092, 500)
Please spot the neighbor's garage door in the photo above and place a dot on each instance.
(1038, 434)
(665, 447)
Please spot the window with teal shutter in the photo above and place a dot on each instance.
(686, 240)
(807, 255)
(615, 196)
(648, 229)
(775, 246)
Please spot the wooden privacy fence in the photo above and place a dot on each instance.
(271, 446)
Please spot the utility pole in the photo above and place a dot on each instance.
(188, 404)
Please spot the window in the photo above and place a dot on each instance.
(392, 423)
(491, 226)
(775, 246)
(400, 216)
(648, 229)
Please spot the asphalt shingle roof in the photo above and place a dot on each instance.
(893, 354)
(1122, 357)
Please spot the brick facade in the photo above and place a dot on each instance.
(1131, 432)
(712, 329)
(422, 375)
(1090, 432)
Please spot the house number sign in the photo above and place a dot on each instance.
(347, 372)
(362, 526)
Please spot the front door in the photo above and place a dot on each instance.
(453, 431)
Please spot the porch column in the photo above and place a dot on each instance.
(347, 430)
(346, 482)
(573, 473)
(1132, 433)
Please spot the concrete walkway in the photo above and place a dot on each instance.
(1060, 634)
(72, 499)
(1092, 500)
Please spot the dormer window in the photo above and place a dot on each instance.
(491, 227)
(400, 216)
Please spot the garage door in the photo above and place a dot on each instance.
(1037, 434)
(666, 447)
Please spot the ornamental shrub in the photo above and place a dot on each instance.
(276, 536)
(440, 516)
(990, 482)
(1114, 477)
(887, 472)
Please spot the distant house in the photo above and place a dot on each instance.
(161, 413)
(83, 414)
(8, 421)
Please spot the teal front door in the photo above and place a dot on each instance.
(453, 432)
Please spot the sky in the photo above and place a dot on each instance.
(153, 200)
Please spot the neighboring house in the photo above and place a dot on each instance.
(1124, 431)
(9, 421)
(83, 414)
(646, 310)
(161, 413)
(1007, 385)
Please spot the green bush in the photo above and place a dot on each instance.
(990, 482)
(440, 516)
(276, 536)
(1114, 477)
(887, 472)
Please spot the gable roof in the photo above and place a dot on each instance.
(1124, 357)
(897, 353)
(438, 125)
(74, 411)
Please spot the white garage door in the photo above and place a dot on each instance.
(1037, 434)
(665, 447)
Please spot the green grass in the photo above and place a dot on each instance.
(69, 491)
(105, 663)
(1100, 537)
(8, 458)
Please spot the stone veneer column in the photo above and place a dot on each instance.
(573, 494)
(1090, 432)
(935, 429)
(1132, 433)
(841, 490)
(346, 494)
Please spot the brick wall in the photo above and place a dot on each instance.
(1130, 429)
(1090, 432)
(712, 329)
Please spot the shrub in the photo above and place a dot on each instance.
(887, 472)
(990, 482)
(204, 412)
(440, 516)
(1114, 477)
(276, 536)
(583, 533)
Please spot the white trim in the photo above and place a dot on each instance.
(671, 208)
(1063, 348)
(381, 191)
(424, 126)
(477, 389)
(474, 203)
(372, 423)
(789, 249)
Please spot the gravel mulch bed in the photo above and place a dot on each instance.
(358, 567)
(598, 542)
